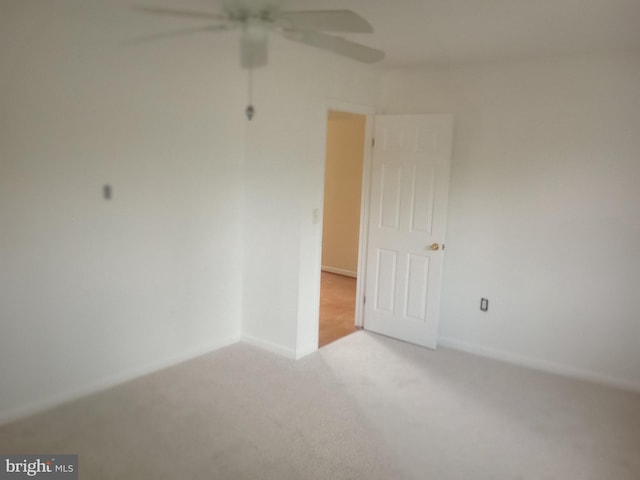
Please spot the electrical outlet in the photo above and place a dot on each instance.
(484, 304)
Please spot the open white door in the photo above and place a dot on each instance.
(409, 190)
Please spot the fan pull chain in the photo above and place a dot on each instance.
(250, 111)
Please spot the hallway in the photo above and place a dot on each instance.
(337, 307)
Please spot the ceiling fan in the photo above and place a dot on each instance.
(255, 21)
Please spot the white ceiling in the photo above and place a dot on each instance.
(417, 33)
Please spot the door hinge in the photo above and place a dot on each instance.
(364, 300)
(373, 142)
(443, 247)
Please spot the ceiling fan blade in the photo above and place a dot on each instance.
(174, 33)
(180, 13)
(325, 21)
(337, 45)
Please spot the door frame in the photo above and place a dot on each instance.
(369, 112)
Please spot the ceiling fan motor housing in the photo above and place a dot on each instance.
(253, 45)
(244, 11)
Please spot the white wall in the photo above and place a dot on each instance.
(92, 292)
(284, 184)
(544, 218)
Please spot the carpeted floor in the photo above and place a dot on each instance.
(364, 407)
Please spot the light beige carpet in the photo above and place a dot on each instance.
(363, 407)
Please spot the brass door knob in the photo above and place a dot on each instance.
(434, 246)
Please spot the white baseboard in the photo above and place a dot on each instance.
(340, 271)
(55, 400)
(270, 346)
(538, 364)
(306, 350)
(279, 349)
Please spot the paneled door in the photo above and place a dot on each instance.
(408, 204)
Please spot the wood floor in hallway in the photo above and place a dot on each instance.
(337, 307)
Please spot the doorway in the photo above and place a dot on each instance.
(345, 151)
